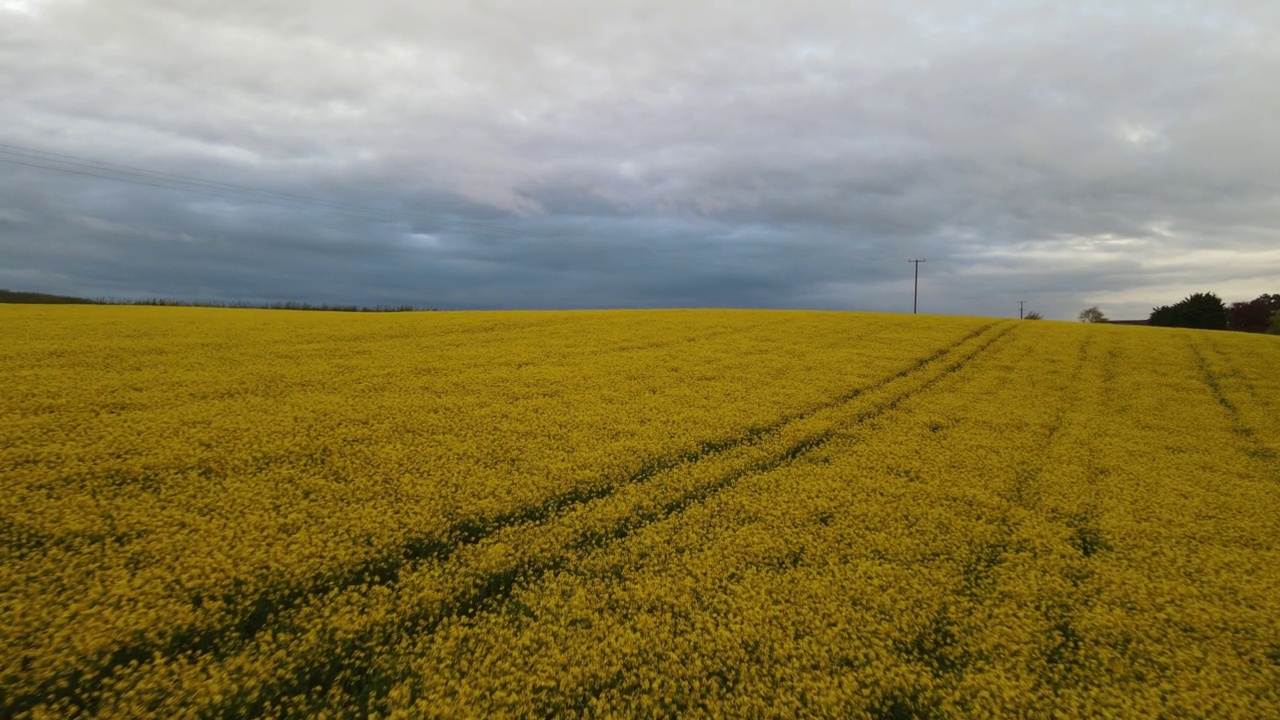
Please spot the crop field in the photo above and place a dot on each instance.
(238, 513)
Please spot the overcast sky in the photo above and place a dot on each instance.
(644, 154)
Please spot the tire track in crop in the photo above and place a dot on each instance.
(941, 644)
(1258, 448)
(1023, 492)
(350, 672)
(83, 686)
(1263, 450)
(937, 646)
(1065, 641)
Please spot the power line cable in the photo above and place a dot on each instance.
(186, 179)
(200, 191)
(156, 174)
(223, 190)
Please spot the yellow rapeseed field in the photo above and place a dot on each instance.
(241, 513)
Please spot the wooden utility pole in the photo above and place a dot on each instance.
(1020, 302)
(915, 294)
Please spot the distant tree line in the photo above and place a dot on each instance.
(14, 296)
(285, 305)
(1207, 311)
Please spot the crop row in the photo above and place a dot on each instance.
(594, 514)
(1095, 538)
(211, 504)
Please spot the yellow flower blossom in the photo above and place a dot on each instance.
(633, 513)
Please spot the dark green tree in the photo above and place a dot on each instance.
(1163, 316)
(1205, 311)
(1201, 310)
(1252, 316)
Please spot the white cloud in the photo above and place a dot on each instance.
(1140, 134)
(30, 8)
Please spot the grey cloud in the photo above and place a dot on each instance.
(556, 154)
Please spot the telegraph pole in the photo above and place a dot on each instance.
(915, 294)
(1020, 302)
